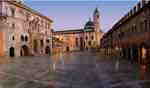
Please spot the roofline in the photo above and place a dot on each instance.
(21, 5)
(125, 18)
(69, 31)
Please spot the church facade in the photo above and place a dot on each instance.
(23, 31)
(80, 39)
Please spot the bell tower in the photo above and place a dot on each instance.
(96, 17)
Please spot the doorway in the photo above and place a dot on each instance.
(12, 52)
(24, 51)
(67, 49)
(47, 50)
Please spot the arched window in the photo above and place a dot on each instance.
(26, 38)
(86, 37)
(47, 41)
(42, 43)
(13, 12)
(92, 37)
(22, 38)
(13, 37)
(77, 42)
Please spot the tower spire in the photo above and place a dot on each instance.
(96, 18)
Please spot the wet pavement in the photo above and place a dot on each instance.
(73, 70)
(26, 72)
(91, 70)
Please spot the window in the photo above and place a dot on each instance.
(27, 16)
(86, 37)
(13, 25)
(134, 28)
(42, 43)
(13, 38)
(92, 37)
(77, 42)
(22, 38)
(12, 12)
(45, 25)
(26, 38)
(47, 41)
(6, 11)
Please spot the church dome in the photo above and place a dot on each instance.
(89, 25)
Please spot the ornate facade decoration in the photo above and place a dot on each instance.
(25, 32)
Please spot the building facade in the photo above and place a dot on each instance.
(82, 39)
(68, 40)
(131, 34)
(23, 30)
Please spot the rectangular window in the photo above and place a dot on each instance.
(13, 12)
(42, 43)
(13, 25)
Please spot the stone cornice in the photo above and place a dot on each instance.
(21, 5)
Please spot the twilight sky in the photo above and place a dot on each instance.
(74, 14)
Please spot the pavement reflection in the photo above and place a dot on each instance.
(76, 69)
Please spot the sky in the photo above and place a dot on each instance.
(73, 14)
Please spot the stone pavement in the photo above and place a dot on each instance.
(87, 70)
(73, 70)
(26, 72)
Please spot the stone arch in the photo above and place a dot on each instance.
(24, 51)
(47, 50)
(12, 52)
